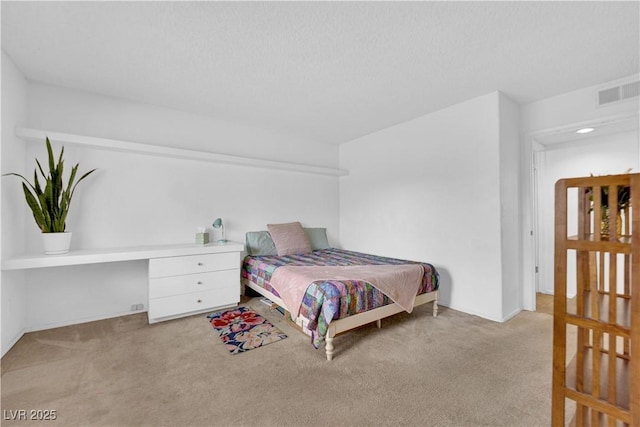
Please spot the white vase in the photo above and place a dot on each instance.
(56, 243)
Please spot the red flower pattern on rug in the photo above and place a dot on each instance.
(243, 329)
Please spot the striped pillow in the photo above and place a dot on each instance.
(289, 238)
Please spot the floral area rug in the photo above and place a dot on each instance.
(243, 329)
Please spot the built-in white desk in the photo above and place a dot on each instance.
(183, 279)
(96, 256)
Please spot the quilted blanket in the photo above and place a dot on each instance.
(398, 282)
(328, 300)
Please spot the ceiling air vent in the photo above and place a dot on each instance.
(618, 93)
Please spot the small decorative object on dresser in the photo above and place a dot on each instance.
(50, 204)
(218, 224)
(202, 236)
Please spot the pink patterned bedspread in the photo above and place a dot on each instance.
(327, 300)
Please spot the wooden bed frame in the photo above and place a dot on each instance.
(353, 321)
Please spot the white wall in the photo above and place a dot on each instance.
(135, 199)
(430, 190)
(12, 285)
(83, 113)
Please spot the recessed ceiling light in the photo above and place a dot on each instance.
(585, 130)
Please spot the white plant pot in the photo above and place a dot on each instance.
(56, 243)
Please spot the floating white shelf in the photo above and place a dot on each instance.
(96, 256)
(175, 153)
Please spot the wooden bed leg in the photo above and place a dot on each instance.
(379, 323)
(329, 343)
(329, 347)
(435, 305)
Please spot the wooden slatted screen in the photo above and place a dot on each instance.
(602, 379)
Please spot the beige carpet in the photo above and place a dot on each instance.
(456, 369)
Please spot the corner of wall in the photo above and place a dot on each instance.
(510, 214)
(12, 154)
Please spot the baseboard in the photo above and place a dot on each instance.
(34, 328)
(511, 315)
(474, 313)
(13, 342)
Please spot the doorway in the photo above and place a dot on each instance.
(611, 148)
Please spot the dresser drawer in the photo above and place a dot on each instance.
(193, 302)
(174, 266)
(175, 285)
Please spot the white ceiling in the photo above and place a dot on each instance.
(326, 71)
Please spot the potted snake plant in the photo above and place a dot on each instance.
(50, 202)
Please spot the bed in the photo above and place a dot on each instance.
(327, 291)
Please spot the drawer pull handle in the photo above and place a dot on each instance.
(199, 300)
(200, 264)
(199, 282)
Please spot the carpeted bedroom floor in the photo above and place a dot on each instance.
(454, 370)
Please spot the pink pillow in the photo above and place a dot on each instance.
(289, 238)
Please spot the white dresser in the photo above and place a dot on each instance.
(189, 284)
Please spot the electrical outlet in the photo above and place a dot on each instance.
(137, 307)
